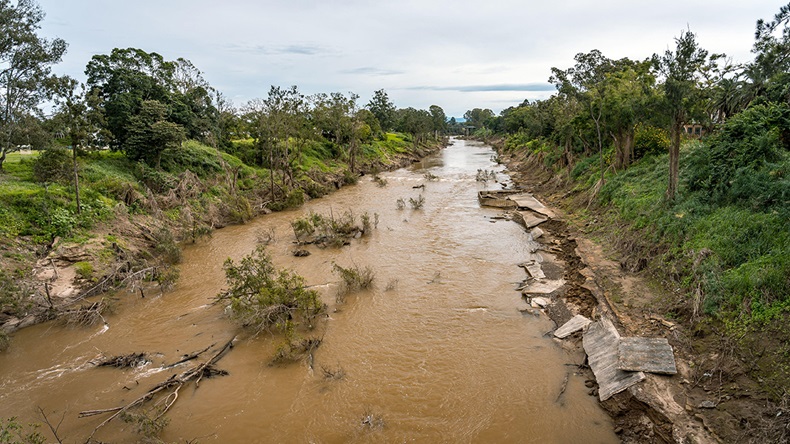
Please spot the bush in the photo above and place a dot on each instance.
(650, 140)
(53, 165)
(354, 278)
(166, 247)
(748, 161)
(5, 341)
(417, 203)
(84, 270)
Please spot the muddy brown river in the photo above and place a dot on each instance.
(444, 356)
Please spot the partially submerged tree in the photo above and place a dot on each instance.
(25, 65)
(263, 298)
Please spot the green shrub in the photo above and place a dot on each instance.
(354, 278)
(262, 297)
(650, 140)
(5, 341)
(166, 247)
(53, 165)
(84, 270)
(747, 162)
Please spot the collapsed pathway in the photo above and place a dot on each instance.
(632, 373)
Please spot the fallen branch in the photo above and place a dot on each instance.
(563, 388)
(175, 382)
(130, 360)
(190, 356)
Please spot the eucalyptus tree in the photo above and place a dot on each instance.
(73, 119)
(125, 78)
(416, 122)
(25, 69)
(586, 83)
(438, 120)
(477, 117)
(681, 70)
(382, 107)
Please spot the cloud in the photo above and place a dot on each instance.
(306, 49)
(536, 87)
(372, 71)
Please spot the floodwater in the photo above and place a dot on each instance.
(437, 351)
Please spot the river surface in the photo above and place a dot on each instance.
(444, 356)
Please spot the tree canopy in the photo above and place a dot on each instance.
(26, 61)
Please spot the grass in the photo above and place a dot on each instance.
(722, 245)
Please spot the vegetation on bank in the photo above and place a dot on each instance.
(683, 162)
(195, 189)
(147, 153)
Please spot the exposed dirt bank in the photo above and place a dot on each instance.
(712, 398)
(138, 251)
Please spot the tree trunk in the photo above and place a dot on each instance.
(76, 178)
(674, 157)
(628, 149)
(600, 140)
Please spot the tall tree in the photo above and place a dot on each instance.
(586, 82)
(74, 121)
(770, 71)
(384, 110)
(150, 133)
(25, 65)
(438, 119)
(125, 78)
(476, 117)
(681, 70)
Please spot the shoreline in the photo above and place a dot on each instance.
(651, 410)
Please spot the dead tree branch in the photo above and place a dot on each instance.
(175, 382)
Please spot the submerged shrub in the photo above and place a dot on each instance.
(262, 297)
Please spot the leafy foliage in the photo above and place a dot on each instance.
(748, 161)
(25, 79)
(53, 165)
(12, 432)
(262, 297)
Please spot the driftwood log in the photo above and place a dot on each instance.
(171, 386)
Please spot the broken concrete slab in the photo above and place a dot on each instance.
(601, 342)
(528, 218)
(576, 323)
(528, 201)
(536, 233)
(535, 270)
(546, 286)
(541, 302)
(653, 355)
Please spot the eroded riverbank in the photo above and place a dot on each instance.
(438, 350)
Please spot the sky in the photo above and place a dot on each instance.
(456, 54)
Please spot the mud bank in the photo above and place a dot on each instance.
(689, 407)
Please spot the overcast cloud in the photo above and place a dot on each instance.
(455, 54)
